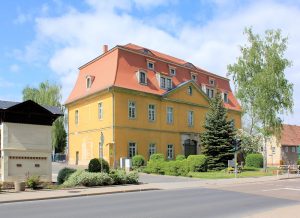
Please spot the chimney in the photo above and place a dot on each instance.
(105, 48)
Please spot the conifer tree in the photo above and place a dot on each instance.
(217, 139)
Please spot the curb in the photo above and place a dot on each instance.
(79, 195)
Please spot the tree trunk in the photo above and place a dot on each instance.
(265, 154)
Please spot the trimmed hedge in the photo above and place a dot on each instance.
(97, 165)
(180, 157)
(64, 174)
(138, 161)
(197, 163)
(254, 160)
(85, 178)
(157, 157)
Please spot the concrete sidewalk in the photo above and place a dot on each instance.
(29, 195)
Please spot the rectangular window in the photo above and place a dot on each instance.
(191, 118)
(273, 150)
(190, 90)
(172, 71)
(169, 83)
(131, 110)
(131, 149)
(142, 78)
(100, 111)
(225, 97)
(169, 115)
(88, 82)
(212, 82)
(151, 112)
(286, 149)
(76, 117)
(210, 93)
(194, 77)
(163, 82)
(152, 149)
(293, 149)
(150, 65)
(170, 152)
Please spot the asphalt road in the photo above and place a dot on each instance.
(196, 202)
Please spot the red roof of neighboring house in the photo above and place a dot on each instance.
(290, 135)
(118, 67)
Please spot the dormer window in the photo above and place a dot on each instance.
(165, 82)
(172, 71)
(225, 97)
(194, 77)
(150, 65)
(142, 78)
(89, 80)
(212, 82)
(210, 92)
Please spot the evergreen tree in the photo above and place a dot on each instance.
(217, 140)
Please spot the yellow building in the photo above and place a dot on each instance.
(132, 100)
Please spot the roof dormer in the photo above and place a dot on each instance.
(89, 80)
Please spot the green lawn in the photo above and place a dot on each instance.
(253, 172)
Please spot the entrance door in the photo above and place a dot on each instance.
(190, 147)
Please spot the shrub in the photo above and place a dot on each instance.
(118, 176)
(0, 186)
(64, 174)
(197, 163)
(298, 162)
(183, 167)
(254, 160)
(132, 177)
(33, 182)
(98, 165)
(180, 157)
(138, 161)
(154, 167)
(170, 168)
(157, 157)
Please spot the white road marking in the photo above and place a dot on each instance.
(278, 189)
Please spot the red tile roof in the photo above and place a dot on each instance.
(118, 67)
(290, 135)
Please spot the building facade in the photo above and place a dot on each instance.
(132, 100)
(284, 150)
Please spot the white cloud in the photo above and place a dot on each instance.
(77, 36)
(14, 68)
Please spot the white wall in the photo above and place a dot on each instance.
(26, 151)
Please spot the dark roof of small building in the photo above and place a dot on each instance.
(290, 135)
(7, 104)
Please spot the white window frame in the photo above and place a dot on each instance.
(88, 82)
(170, 115)
(210, 92)
(169, 83)
(172, 71)
(139, 77)
(212, 82)
(151, 112)
(76, 117)
(150, 62)
(190, 90)
(166, 82)
(286, 149)
(163, 84)
(151, 149)
(194, 77)
(293, 149)
(132, 149)
(170, 151)
(100, 110)
(131, 109)
(191, 118)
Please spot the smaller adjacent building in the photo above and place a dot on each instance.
(284, 151)
(25, 140)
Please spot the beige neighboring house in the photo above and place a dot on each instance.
(284, 151)
(25, 140)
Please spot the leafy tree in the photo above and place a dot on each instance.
(49, 94)
(260, 82)
(217, 139)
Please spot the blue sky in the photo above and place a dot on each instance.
(49, 40)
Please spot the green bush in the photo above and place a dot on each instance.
(254, 160)
(170, 168)
(0, 186)
(118, 176)
(157, 157)
(197, 163)
(33, 182)
(155, 166)
(182, 167)
(64, 174)
(98, 165)
(180, 157)
(132, 177)
(138, 161)
(298, 162)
